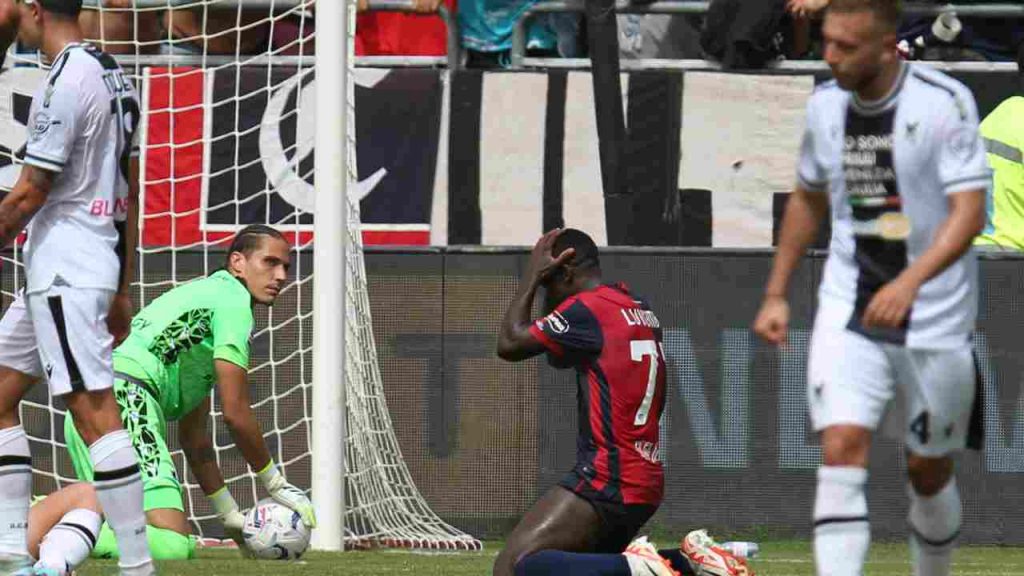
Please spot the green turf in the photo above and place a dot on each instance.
(783, 558)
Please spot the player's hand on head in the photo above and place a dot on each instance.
(890, 305)
(772, 321)
(542, 263)
(119, 319)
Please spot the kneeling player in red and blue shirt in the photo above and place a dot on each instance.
(586, 523)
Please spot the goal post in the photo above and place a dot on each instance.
(332, 175)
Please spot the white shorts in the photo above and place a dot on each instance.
(60, 333)
(850, 380)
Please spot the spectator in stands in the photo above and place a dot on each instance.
(117, 29)
(487, 25)
(226, 31)
(1003, 131)
(673, 36)
(946, 37)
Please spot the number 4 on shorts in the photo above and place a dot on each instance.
(920, 427)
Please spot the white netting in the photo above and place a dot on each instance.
(228, 138)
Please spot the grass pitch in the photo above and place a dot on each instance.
(779, 558)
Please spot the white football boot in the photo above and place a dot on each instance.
(707, 558)
(644, 560)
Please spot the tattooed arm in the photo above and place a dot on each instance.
(27, 197)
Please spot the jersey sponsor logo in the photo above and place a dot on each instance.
(101, 207)
(649, 451)
(41, 124)
(557, 323)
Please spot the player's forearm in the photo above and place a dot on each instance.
(131, 240)
(246, 433)
(18, 207)
(952, 240)
(803, 216)
(202, 460)
(516, 322)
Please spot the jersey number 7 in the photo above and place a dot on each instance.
(638, 350)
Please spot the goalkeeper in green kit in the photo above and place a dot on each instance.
(180, 346)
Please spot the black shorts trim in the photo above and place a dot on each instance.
(74, 375)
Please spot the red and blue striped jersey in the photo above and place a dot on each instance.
(614, 341)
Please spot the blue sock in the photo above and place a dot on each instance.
(677, 560)
(558, 563)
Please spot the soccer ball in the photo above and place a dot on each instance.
(274, 532)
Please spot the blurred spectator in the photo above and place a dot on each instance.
(227, 30)
(487, 25)
(403, 34)
(673, 36)
(1003, 131)
(117, 29)
(946, 37)
(745, 33)
(949, 37)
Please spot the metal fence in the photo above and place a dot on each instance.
(519, 59)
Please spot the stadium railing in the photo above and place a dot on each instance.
(450, 21)
(519, 59)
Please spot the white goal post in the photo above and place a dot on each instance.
(329, 286)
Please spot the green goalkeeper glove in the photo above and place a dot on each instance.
(287, 494)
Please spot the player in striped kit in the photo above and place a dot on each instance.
(894, 148)
(78, 188)
(585, 524)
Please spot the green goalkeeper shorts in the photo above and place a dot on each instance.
(164, 544)
(144, 420)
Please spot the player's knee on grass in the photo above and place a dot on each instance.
(163, 544)
(845, 445)
(929, 475)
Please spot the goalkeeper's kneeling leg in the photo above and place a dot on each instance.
(164, 544)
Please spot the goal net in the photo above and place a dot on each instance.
(228, 133)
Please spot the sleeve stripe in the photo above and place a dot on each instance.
(546, 340)
(45, 158)
(810, 185)
(44, 164)
(983, 178)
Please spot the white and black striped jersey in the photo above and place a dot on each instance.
(82, 126)
(888, 167)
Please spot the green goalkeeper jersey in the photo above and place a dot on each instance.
(175, 339)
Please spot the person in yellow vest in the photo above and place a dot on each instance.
(1003, 132)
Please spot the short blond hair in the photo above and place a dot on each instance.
(887, 12)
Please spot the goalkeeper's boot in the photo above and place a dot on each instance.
(708, 558)
(644, 560)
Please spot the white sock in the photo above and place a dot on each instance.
(15, 494)
(119, 488)
(934, 527)
(69, 543)
(842, 533)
